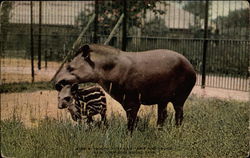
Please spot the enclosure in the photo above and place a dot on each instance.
(37, 37)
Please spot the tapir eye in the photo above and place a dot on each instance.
(58, 87)
(67, 99)
(69, 68)
(63, 83)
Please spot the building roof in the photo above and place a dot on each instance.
(53, 12)
(65, 13)
(175, 17)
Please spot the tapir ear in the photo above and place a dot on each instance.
(86, 54)
(85, 51)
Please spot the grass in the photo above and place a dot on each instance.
(25, 87)
(211, 128)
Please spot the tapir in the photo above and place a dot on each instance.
(133, 78)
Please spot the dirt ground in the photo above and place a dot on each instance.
(221, 93)
(34, 106)
(19, 70)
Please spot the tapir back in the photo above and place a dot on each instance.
(159, 74)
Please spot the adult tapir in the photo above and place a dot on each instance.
(134, 78)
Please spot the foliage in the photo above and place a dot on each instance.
(236, 18)
(5, 12)
(235, 23)
(198, 9)
(4, 21)
(155, 27)
(110, 11)
(212, 128)
(82, 19)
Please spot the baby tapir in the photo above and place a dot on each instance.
(82, 102)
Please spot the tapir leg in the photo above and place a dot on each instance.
(89, 119)
(103, 117)
(178, 107)
(162, 114)
(178, 103)
(131, 106)
(131, 116)
(182, 94)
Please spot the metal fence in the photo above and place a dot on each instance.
(213, 35)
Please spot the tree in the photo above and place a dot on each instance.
(4, 21)
(155, 27)
(110, 11)
(237, 18)
(235, 23)
(198, 9)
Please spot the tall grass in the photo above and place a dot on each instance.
(211, 128)
(25, 87)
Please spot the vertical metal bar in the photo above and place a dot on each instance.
(124, 26)
(39, 35)
(214, 58)
(239, 65)
(208, 64)
(204, 47)
(219, 77)
(244, 76)
(248, 60)
(46, 59)
(224, 63)
(95, 38)
(31, 42)
(197, 49)
(231, 76)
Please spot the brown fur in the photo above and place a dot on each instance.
(135, 78)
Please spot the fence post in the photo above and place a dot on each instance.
(46, 59)
(31, 42)
(39, 35)
(203, 81)
(96, 22)
(124, 26)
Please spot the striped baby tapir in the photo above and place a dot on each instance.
(82, 103)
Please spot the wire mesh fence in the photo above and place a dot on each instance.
(55, 25)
